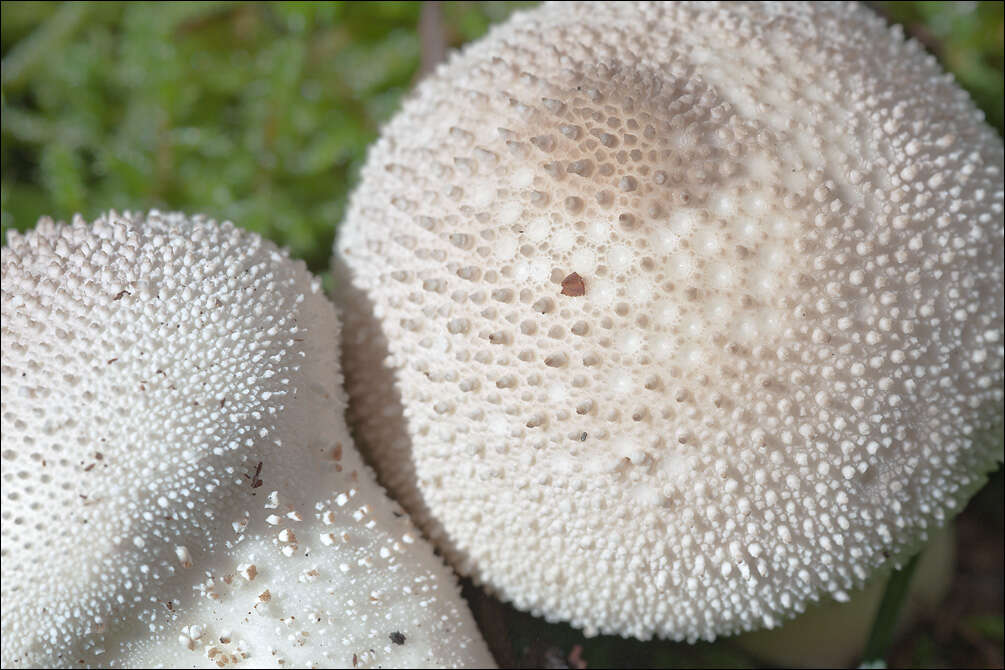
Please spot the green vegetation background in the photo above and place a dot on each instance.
(262, 113)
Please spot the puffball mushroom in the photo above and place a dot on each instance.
(670, 319)
(179, 486)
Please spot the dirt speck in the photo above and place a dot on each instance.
(573, 286)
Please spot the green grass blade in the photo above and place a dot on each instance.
(885, 623)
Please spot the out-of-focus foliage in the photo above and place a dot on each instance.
(260, 113)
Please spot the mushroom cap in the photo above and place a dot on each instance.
(672, 318)
(179, 486)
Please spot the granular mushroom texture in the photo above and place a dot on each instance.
(782, 359)
(179, 487)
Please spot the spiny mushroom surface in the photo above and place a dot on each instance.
(672, 318)
(179, 487)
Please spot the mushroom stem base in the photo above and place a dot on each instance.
(833, 634)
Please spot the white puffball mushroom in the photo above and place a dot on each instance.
(179, 486)
(673, 318)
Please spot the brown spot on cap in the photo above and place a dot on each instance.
(573, 286)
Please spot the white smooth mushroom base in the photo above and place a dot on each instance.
(670, 319)
(179, 487)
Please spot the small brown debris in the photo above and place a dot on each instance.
(573, 286)
(255, 480)
(576, 658)
(265, 596)
(111, 360)
(118, 296)
(397, 638)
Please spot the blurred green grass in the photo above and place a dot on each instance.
(261, 113)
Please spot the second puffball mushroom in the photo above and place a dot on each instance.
(179, 487)
(671, 318)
